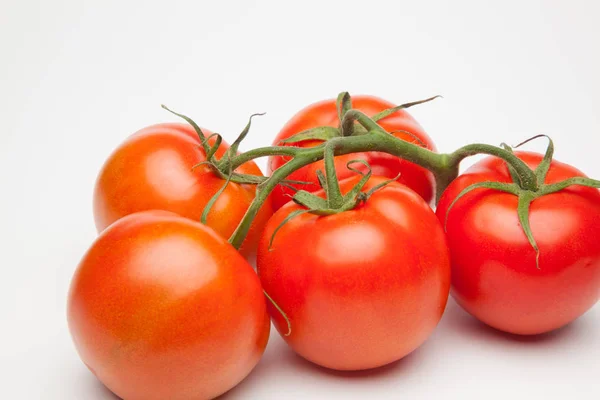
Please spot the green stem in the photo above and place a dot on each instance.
(527, 177)
(361, 118)
(445, 175)
(435, 162)
(334, 194)
(262, 192)
(250, 155)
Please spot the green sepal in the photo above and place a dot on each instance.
(390, 111)
(236, 144)
(513, 173)
(525, 199)
(323, 133)
(293, 181)
(204, 163)
(247, 179)
(322, 180)
(292, 188)
(342, 105)
(335, 199)
(357, 171)
(283, 314)
(309, 200)
(542, 169)
(576, 180)
(291, 215)
(214, 199)
(351, 198)
(191, 122)
(206, 140)
(251, 179)
(380, 186)
(412, 135)
(213, 168)
(501, 186)
(213, 149)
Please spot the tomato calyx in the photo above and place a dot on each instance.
(327, 206)
(222, 167)
(526, 189)
(334, 201)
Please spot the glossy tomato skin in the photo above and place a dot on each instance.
(362, 288)
(494, 274)
(152, 169)
(324, 113)
(162, 307)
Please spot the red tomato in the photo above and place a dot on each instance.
(162, 307)
(361, 288)
(325, 114)
(494, 274)
(152, 169)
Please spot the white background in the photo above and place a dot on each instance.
(77, 77)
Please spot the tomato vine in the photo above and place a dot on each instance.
(358, 132)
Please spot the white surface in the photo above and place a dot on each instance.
(76, 77)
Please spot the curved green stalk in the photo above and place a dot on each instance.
(527, 177)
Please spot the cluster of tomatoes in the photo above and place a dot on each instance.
(163, 307)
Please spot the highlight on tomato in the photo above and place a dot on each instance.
(326, 114)
(161, 168)
(494, 231)
(161, 307)
(359, 287)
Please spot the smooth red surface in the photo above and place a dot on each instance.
(494, 274)
(362, 288)
(325, 114)
(152, 169)
(162, 307)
